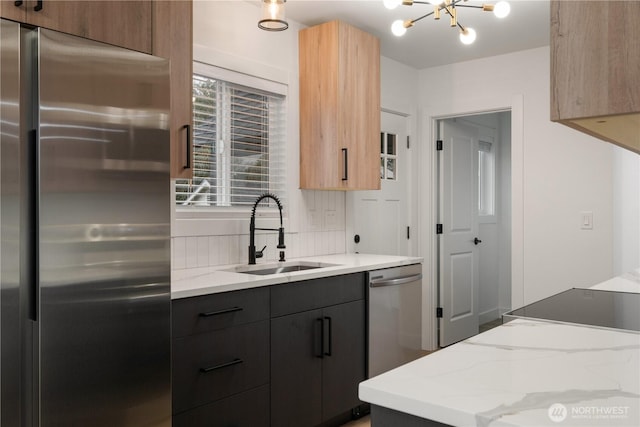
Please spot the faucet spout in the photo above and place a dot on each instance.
(252, 229)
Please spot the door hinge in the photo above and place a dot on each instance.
(439, 145)
(408, 142)
(438, 312)
(408, 233)
(438, 228)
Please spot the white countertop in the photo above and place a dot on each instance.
(210, 280)
(513, 374)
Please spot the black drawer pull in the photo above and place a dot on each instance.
(329, 336)
(38, 6)
(223, 365)
(18, 3)
(321, 322)
(225, 311)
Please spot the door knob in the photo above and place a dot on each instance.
(476, 241)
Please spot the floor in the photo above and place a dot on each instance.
(366, 421)
(361, 422)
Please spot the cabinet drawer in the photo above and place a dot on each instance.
(214, 365)
(311, 294)
(248, 409)
(219, 311)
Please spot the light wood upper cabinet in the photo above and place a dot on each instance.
(121, 23)
(173, 39)
(339, 108)
(595, 69)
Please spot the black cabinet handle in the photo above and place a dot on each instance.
(38, 6)
(188, 163)
(345, 159)
(216, 313)
(329, 336)
(222, 365)
(18, 3)
(476, 241)
(321, 321)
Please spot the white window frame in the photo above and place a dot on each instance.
(488, 218)
(226, 220)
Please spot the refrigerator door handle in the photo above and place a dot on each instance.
(33, 226)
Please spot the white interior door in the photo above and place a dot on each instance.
(458, 201)
(380, 218)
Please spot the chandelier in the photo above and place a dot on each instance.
(446, 7)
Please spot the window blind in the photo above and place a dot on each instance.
(238, 145)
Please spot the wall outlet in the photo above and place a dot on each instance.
(586, 220)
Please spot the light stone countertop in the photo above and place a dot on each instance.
(512, 375)
(211, 280)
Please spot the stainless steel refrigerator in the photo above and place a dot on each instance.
(85, 253)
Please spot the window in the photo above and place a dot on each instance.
(388, 156)
(486, 179)
(238, 144)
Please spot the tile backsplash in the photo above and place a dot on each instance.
(205, 251)
(321, 231)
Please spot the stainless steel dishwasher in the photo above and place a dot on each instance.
(395, 317)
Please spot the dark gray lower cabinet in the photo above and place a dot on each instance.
(317, 357)
(289, 355)
(248, 409)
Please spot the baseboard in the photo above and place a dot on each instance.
(489, 315)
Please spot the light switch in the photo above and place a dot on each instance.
(586, 220)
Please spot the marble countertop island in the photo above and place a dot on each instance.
(523, 373)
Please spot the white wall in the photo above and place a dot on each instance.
(554, 174)
(626, 202)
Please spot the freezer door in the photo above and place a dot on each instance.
(104, 251)
(11, 325)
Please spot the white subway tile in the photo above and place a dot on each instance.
(224, 249)
(179, 253)
(192, 252)
(203, 251)
(214, 250)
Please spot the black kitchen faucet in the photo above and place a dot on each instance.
(253, 254)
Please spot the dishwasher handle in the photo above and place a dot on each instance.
(379, 282)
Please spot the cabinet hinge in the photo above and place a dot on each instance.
(408, 233)
(438, 312)
(408, 142)
(438, 228)
(439, 145)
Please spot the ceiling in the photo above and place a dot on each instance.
(431, 43)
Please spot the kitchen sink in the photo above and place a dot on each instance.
(280, 267)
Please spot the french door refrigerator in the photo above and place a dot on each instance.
(85, 251)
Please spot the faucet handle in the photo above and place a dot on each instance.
(260, 254)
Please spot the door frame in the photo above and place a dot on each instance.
(428, 204)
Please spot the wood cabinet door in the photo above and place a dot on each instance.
(345, 365)
(10, 10)
(173, 39)
(359, 103)
(296, 370)
(339, 108)
(121, 23)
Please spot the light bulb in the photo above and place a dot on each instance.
(435, 2)
(501, 9)
(398, 29)
(391, 4)
(273, 10)
(468, 36)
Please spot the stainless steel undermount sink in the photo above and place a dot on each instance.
(280, 267)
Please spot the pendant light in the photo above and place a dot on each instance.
(272, 18)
